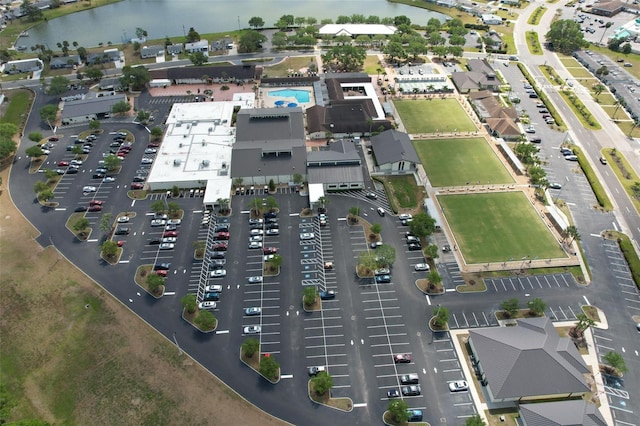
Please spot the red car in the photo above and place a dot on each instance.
(219, 247)
(120, 243)
(169, 234)
(137, 185)
(95, 208)
(222, 236)
(54, 139)
(122, 153)
(270, 250)
(153, 145)
(402, 358)
(125, 148)
(63, 163)
(162, 273)
(95, 202)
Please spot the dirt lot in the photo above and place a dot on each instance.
(71, 354)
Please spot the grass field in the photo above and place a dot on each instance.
(280, 70)
(569, 62)
(498, 227)
(18, 104)
(616, 112)
(435, 115)
(580, 72)
(606, 99)
(454, 162)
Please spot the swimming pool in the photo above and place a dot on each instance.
(300, 95)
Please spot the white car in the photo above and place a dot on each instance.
(256, 279)
(255, 245)
(123, 219)
(274, 231)
(211, 288)
(174, 222)
(76, 162)
(256, 232)
(218, 273)
(108, 179)
(167, 246)
(255, 238)
(458, 386)
(269, 257)
(405, 216)
(150, 151)
(307, 236)
(252, 329)
(422, 267)
(169, 240)
(89, 189)
(158, 222)
(253, 311)
(146, 161)
(207, 305)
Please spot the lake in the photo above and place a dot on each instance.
(118, 22)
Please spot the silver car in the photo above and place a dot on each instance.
(252, 329)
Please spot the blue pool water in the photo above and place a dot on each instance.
(300, 95)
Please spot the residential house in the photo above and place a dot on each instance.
(336, 168)
(501, 120)
(110, 83)
(197, 46)
(479, 77)
(394, 152)
(175, 49)
(23, 66)
(151, 51)
(530, 362)
(60, 62)
(561, 413)
(109, 55)
(270, 144)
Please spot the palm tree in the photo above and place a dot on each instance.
(571, 231)
(323, 201)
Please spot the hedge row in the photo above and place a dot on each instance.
(631, 257)
(542, 96)
(598, 189)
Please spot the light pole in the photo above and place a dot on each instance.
(176, 342)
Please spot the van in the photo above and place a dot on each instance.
(380, 211)
(409, 379)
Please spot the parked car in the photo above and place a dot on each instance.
(375, 244)
(313, 371)
(327, 295)
(207, 305)
(150, 151)
(253, 311)
(409, 379)
(393, 393)
(137, 185)
(571, 157)
(80, 209)
(161, 266)
(169, 234)
(458, 386)
(158, 222)
(72, 171)
(211, 296)
(214, 287)
(414, 246)
(256, 232)
(422, 267)
(252, 329)
(95, 202)
(63, 163)
(274, 231)
(167, 246)
(405, 216)
(155, 241)
(381, 271)
(95, 208)
(269, 250)
(108, 179)
(123, 219)
(169, 227)
(169, 240)
(174, 222)
(307, 236)
(382, 279)
(146, 161)
(414, 415)
(255, 244)
(219, 247)
(122, 231)
(402, 358)
(218, 273)
(255, 279)
(257, 238)
(411, 390)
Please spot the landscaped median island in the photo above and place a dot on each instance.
(78, 225)
(150, 280)
(263, 364)
(197, 314)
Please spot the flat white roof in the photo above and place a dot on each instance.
(370, 93)
(197, 144)
(316, 190)
(357, 29)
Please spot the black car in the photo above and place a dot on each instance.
(161, 266)
(327, 295)
(214, 295)
(221, 228)
(98, 175)
(72, 171)
(155, 241)
(414, 246)
(217, 255)
(80, 209)
(270, 215)
(122, 231)
(271, 220)
(255, 226)
(272, 226)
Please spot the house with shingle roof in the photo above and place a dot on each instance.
(59, 62)
(479, 77)
(530, 362)
(23, 66)
(394, 152)
(561, 413)
(337, 167)
(151, 51)
(501, 120)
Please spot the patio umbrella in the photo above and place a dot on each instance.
(279, 103)
(292, 104)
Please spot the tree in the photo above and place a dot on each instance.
(322, 383)
(615, 360)
(598, 89)
(565, 36)
(272, 185)
(134, 78)
(39, 186)
(105, 222)
(510, 307)
(121, 107)
(189, 303)
(276, 261)
(376, 228)
(285, 22)
(173, 208)
(583, 323)
(394, 50)
(272, 203)
(279, 39)
(32, 12)
(154, 283)
(475, 420)
(198, 58)
(422, 225)
(109, 248)
(251, 41)
(255, 205)
(48, 113)
(386, 255)
(526, 152)
(269, 367)
(7, 147)
(8, 130)
(93, 73)
(537, 175)
(309, 295)
(537, 306)
(112, 162)
(323, 201)
(354, 212)
(602, 71)
(46, 195)
(81, 224)
(35, 136)
(156, 132)
(158, 206)
(398, 409)
(224, 205)
(205, 320)
(94, 124)
(297, 178)
(432, 251)
(256, 22)
(571, 231)
(434, 278)
(626, 48)
(250, 347)
(58, 85)
(346, 58)
(440, 316)
(34, 151)
(192, 36)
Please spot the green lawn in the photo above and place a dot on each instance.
(570, 62)
(606, 99)
(405, 191)
(18, 102)
(454, 162)
(434, 115)
(580, 72)
(498, 227)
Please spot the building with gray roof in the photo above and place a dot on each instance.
(270, 144)
(84, 110)
(151, 51)
(337, 168)
(528, 362)
(480, 76)
(561, 413)
(394, 152)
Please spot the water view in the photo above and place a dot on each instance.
(117, 22)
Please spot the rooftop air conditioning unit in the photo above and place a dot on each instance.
(205, 163)
(177, 162)
(224, 165)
